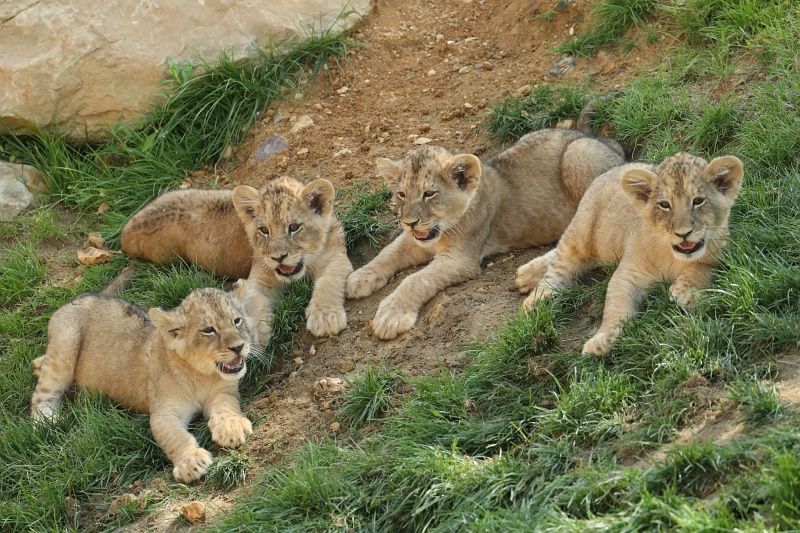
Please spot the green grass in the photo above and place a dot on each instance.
(360, 217)
(611, 19)
(369, 397)
(534, 436)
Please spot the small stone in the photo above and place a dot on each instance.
(302, 151)
(227, 153)
(298, 361)
(302, 123)
(14, 196)
(343, 90)
(298, 96)
(198, 174)
(293, 375)
(566, 124)
(318, 106)
(488, 66)
(343, 151)
(422, 140)
(523, 91)
(464, 70)
(274, 144)
(335, 427)
(194, 512)
(93, 256)
(478, 66)
(103, 208)
(312, 351)
(344, 366)
(562, 65)
(367, 128)
(439, 37)
(424, 127)
(273, 397)
(432, 72)
(467, 105)
(95, 239)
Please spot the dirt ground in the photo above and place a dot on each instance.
(424, 70)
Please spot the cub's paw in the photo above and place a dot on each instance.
(541, 292)
(528, 275)
(685, 295)
(391, 320)
(192, 465)
(601, 343)
(325, 321)
(362, 283)
(229, 431)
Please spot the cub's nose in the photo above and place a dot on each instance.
(684, 234)
(237, 349)
(280, 257)
(412, 224)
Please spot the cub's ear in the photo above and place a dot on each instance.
(244, 200)
(319, 196)
(169, 322)
(638, 184)
(726, 174)
(388, 169)
(465, 170)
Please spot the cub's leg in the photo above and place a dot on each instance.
(55, 369)
(400, 254)
(325, 312)
(170, 431)
(567, 262)
(625, 291)
(229, 427)
(686, 288)
(398, 312)
(529, 274)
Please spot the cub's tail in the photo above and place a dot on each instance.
(584, 124)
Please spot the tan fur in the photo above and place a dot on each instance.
(524, 197)
(620, 219)
(159, 363)
(219, 230)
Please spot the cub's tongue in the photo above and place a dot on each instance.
(686, 245)
(287, 269)
(236, 363)
(420, 234)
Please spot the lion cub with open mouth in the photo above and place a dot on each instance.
(271, 236)
(455, 210)
(661, 223)
(170, 364)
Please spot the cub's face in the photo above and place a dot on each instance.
(287, 223)
(687, 201)
(208, 331)
(432, 190)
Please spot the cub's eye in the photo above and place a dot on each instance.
(697, 202)
(293, 227)
(429, 194)
(237, 321)
(664, 205)
(208, 330)
(401, 195)
(263, 230)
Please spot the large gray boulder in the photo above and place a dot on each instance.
(82, 65)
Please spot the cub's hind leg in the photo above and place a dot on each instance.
(56, 368)
(567, 262)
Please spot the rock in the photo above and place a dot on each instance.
(343, 90)
(344, 366)
(335, 426)
(298, 361)
(14, 196)
(274, 144)
(343, 151)
(318, 106)
(227, 153)
(523, 91)
(464, 70)
(327, 390)
(424, 127)
(566, 124)
(312, 351)
(30, 176)
(562, 65)
(302, 123)
(82, 65)
(194, 512)
(302, 151)
(432, 72)
(103, 208)
(94, 251)
(422, 140)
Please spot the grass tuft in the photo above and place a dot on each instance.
(369, 397)
(612, 18)
(228, 471)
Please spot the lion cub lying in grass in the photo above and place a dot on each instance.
(171, 364)
(666, 222)
(455, 210)
(271, 237)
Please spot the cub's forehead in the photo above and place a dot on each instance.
(682, 173)
(425, 163)
(278, 197)
(208, 305)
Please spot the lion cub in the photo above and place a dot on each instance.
(272, 237)
(456, 210)
(666, 222)
(171, 364)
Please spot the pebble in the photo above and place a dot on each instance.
(302, 123)
(424, 127)
(439, 37)
(103, 208)
(345, 366)
(298, 361)
(227, 153)
(312, 351)
(302, 151)
(343, 151)
(422, 140)
(525, 90)
(194, 512)
(274, 144)
(318, 106)
(464, 70)
(343, 90)
(432, 72)
(335, 427)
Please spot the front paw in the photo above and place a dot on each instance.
(325, 321)
(363, 282)
(528, 275)
(229, 431)
(601, 343)
(541, 292)
(685, 295)
(391, 320)
(192, 465)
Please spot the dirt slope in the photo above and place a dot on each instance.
(424, 69)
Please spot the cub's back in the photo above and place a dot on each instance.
(114, 337)
(198, 226)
